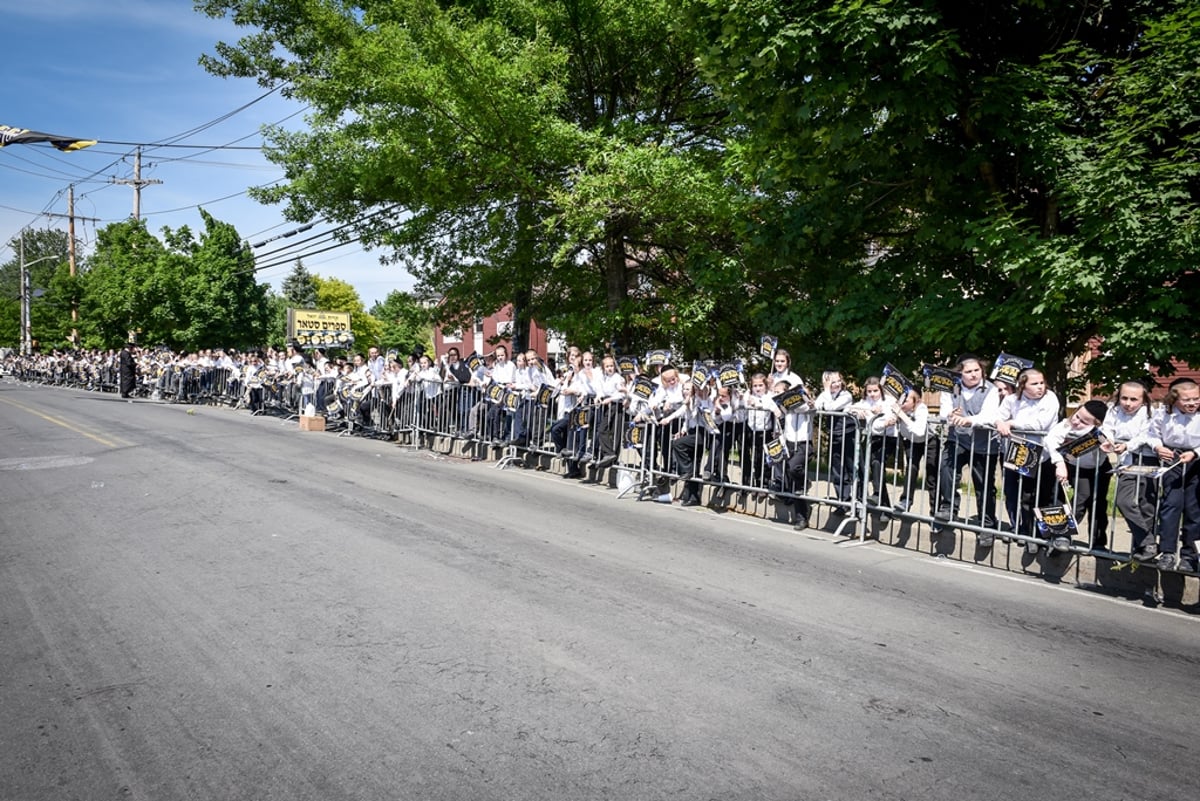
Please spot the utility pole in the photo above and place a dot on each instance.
(71, 264)
(26, 344)
(137, 183)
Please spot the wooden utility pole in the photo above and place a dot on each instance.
(71, 263)
(25, 348)
(137, 183)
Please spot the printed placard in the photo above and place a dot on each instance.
(894, 383)
(658, 358)
(495, 393)
(792, 399)
(940, 379)
(627, 365)
(767, 345)
(776, 451)
(474, 361)
(635, 435)
(545, 394)
(730, 375)
(1083, 444)
(642, 388)
(581, 417)
(1055, 521)
(1022, 457)
(1008, 367)
(699, 374)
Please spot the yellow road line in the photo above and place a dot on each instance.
(114, 442)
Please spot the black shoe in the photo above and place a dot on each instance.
(585, 458)
(691, 500)
(607, 461)
(801, 524)
(706, 475)
(985, 540)
(1165, 561)
(1188, 565)
(900, 508)
(573, 474)
(943, 515)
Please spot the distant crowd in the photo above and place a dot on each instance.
(1033, 471)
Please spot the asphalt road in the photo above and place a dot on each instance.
(210, 605)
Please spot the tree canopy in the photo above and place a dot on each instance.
(179, 291)
(899, 180)
(45, 256)
(405, 322)
(561, 157)
(1021, 175)
(334, 294)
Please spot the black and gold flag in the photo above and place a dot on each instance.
(24, 136)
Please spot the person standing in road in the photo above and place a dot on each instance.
(126, 370)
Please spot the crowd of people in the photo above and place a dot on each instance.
(1032, 471)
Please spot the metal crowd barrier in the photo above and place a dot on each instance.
(845, 478)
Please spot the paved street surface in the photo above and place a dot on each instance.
(211, 605)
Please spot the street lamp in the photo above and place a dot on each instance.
(26, 296)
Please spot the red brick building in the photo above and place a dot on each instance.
(488, 329)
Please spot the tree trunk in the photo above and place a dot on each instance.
(616, 278)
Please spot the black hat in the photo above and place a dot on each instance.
(1097, 409)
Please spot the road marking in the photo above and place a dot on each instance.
(114, 442)
(44, 462)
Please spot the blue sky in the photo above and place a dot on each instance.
(126, 71)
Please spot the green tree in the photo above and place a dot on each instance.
(405, 321)
(334, 294)
(299, 289)
(45, 254)
(562, 157)
(940, 176)
(221, 301)
(50, 311)
(180, 292)
(277, 306)
(126, 290)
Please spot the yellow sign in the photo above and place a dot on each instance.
(313, 328)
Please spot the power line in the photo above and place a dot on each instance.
(283, 252)
(188, 147)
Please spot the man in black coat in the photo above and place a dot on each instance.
(126, 371)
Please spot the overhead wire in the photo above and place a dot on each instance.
(308, 247)
(287, 254)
